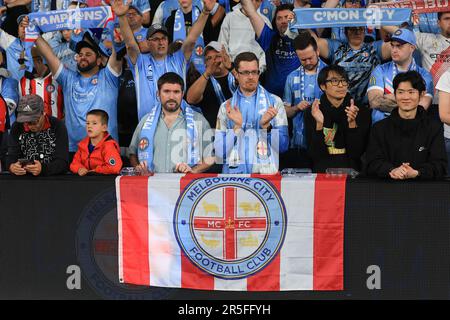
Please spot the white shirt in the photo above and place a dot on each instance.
(444, 85)
(237, 35)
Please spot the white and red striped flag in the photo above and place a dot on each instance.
(239, 232)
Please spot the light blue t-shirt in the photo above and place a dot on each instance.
(14, 50)
(84, 94)
(293, 95)
(382, 79)
(146, 73)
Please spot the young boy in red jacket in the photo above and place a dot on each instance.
(98, 152)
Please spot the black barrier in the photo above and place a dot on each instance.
(52, 230)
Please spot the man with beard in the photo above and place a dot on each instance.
(336, 129)
(172, 137)
(300, 91)
(89, 88)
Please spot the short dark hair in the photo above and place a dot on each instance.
(281, 7)
(439, 14)
(104, 118)
(304, 40)
(245, 56)
(413, 77)
(323, 74)
(170, 77)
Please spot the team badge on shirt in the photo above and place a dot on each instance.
(143, 144)
(265, 11)
(150, 73)
(94, 81)
(50, 88)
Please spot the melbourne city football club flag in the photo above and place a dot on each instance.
(232, 232)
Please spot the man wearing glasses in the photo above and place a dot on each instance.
(148, 67)
(251, 126)
(381, 91)
(336, 129)
(408, 144)
(37, 143)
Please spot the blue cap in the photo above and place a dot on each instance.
(404, 36)
(20, 18)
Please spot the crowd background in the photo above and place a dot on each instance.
(203, 41)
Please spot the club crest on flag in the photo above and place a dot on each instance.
(230, 227)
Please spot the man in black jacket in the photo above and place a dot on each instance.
(408, 144)
(37, 144)
(336, 129)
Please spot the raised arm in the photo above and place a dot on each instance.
(197, 28)
(16, 3)
(255, 19)
(115, 64)
(378, 100)
(322, 44)
(120, 10)
(46, 51)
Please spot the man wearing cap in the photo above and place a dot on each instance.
(381, 91)
(215, 85)
(356, 57)
(147, 68)
(37, 143)
(15, 50)
(42, 83)
(89, 88)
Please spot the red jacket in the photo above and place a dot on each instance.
(104, 159)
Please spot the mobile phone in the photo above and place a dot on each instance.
(24, 162)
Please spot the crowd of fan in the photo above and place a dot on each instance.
(226, 87)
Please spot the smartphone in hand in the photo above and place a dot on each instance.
(25, 162)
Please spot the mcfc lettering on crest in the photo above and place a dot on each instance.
(230, 227)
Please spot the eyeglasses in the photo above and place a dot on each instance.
(355, 29)
(336, 82)
(158, 39)
(249, 73)
(410, 92)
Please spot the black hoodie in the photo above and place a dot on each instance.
(419, 141)
(354, 140)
